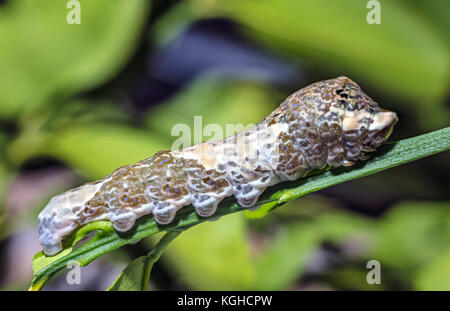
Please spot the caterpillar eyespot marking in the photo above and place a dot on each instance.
(329, 123)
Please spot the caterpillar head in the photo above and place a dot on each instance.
(365, 125)
(60, 217)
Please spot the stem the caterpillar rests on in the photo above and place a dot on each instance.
(329, 123)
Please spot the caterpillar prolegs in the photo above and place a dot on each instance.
(329, 123)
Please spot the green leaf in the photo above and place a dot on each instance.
(271, 206)
(389, 156)
(44, 59)
(136, 275)
(42, 262)
(262, 211)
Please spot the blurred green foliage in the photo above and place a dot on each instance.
(43, 59)
(47, 65)
(406, 56)
(408, 240)
(217, 100)
(89, 147)
(402, 55)
(214, 255)
(434, 276)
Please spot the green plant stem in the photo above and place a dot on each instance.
(142, 266)
(388, 156)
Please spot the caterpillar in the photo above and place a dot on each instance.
(329, 123)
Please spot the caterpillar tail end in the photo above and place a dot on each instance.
(52, 249)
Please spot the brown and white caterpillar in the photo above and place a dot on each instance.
(329, 123)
